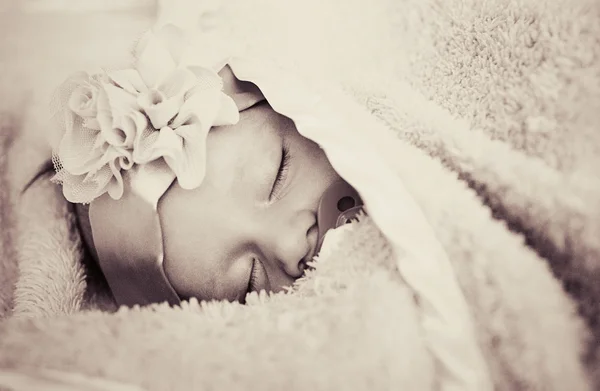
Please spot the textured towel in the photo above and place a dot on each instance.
(495, 102)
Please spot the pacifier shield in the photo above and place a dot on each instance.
(338, 206)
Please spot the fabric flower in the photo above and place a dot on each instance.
(159, 109)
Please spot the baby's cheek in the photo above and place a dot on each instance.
(178, 273)
(323, 171)
(176, 219)
(318, 176)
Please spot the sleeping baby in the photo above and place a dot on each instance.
(192, 180)
(196, 177)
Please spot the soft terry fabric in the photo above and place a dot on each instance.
(495, 102)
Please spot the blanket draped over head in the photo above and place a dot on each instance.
(472, 136)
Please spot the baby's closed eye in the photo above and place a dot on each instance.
(257, 279)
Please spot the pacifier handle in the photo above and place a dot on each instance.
(339, 205)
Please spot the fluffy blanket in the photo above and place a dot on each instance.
(495, 104)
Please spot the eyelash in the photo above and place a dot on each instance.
(282, 172)
(253, 280)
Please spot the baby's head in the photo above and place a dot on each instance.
(252, 223)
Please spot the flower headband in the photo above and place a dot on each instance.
(114, 121)
(125, 136)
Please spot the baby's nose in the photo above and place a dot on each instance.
(295, 244)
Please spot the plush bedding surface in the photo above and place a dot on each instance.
(495, 107)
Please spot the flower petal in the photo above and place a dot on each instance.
(190, 165)
(99, 143)
(120, 101)
(99, 78)
(125, 162)
(129, 80)
(100, 180)
(141, 124)
(83, 100)
(115, 107)
(62, 117)
(206, 78)
(104, 115)
(169, 143)
(76, 149)
(115, 185)
(107, 176)
(178, 83)
(112, 154)
(77, 189)
(228, 113)
(202, 105)
(142, 145)
(126, 127)
(64, 91)
(159, 108)
(152, 145)
(91, 123)
(116, 136)
(154, 62)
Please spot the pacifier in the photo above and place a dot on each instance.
(339, 205)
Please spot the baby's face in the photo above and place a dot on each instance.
(252, 223)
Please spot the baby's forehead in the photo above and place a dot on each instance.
(259, 113)
(256, 122)
(235, 152)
